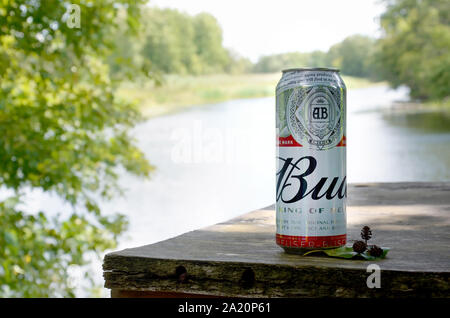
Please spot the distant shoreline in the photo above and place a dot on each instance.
(415, 106)
(180, 92)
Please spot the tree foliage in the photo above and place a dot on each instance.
(238, 64)
(277, 62)
(63, 130)
(176, 42)
(352, 56)
(414, 49)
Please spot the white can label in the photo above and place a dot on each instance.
(311, 192)
(311, 197)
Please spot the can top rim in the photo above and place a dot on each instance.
(311, 69)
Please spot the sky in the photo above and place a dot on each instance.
(261, 27)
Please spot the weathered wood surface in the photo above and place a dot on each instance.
(240, 258)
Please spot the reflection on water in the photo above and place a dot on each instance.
(420, 147)
(421, 121)
(387, 145)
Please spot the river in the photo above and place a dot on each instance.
(215, 162)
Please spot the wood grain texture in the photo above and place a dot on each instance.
(240, 258)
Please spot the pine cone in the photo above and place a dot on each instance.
(359, 246)
(366, 233)
(376, 251)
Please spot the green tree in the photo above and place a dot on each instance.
(176, 42)
(278, 62)
(125, 58)
(318, 59)
(238, 64)
(414, 48)
(169, 41)
(208, 41)
(63, 130)
(353, 55)
(160, 42)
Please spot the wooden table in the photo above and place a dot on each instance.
(239, 258)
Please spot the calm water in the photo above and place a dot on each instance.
(216, 162)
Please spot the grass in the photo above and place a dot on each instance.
(179, 92)
(439, 104)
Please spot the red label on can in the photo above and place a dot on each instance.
(311, 241)
(288, 141)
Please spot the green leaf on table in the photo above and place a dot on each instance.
(347, 252)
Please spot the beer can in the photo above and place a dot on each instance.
(311, 187)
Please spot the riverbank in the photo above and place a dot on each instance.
(179, 92)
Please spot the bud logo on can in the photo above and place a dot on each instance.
(311, 160)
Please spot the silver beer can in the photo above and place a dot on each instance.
(311, 186)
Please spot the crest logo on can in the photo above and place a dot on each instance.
(315, 117)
